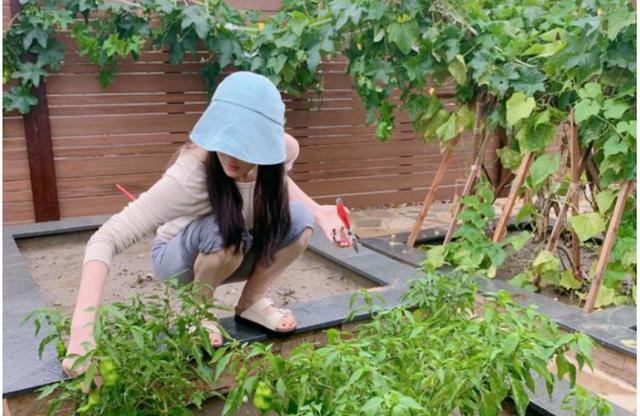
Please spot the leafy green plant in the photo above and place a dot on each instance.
(152, 357)
(440, 357)
(472, 250)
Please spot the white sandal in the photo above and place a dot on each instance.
(255, 317)
(212, 328)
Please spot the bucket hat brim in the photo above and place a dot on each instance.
(240, 132)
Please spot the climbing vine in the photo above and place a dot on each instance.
(527, 64)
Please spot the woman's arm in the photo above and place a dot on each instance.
(164, 201)
(94, 275)
(326, 216)
(297, 194)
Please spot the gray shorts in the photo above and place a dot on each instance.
(175, 257)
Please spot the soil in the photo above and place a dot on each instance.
(517, 262)
(55, 263)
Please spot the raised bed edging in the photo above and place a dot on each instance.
(608, 327)
(24, 372)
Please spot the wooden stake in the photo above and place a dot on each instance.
(562, 215)
(593, 174)
(575, 156)
(609, 238)
(480, 139)
(428, 200)
(521, 174)
(468, 186)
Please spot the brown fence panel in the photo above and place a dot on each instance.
(126, 134)
(17, 206)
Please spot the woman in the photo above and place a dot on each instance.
(225, 207)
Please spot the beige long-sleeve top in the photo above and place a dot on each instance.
(176, 199)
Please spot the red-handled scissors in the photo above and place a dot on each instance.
(352, 238)
(125, 192)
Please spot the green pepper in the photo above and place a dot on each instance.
(61, 349)
(108, 372)
(262, 399)
(94, 400)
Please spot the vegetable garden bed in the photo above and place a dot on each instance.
(313, 316)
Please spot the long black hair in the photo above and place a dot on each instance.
(270, 208)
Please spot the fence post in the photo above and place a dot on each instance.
(40, 149)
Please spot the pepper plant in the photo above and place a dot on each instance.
(439, 357)
(151, 357)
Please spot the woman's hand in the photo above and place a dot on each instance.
(75, 349)
(328, 220)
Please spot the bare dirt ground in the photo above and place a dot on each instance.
(56, 263)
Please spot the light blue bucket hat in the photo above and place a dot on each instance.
(245, 119)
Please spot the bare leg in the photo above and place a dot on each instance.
(262, 278)
(210, 270)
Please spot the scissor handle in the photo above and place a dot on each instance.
(342, 213)
(125, 192)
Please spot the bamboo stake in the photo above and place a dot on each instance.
(479, 142)
(574, 151)
(521, 174)
(609, 238)
(555, 233)
(428, 200)
(562, 215)
(592, 173)
(468, 186)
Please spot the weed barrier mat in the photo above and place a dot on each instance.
(24, 372)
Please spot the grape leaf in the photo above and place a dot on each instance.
(587, 225)
(519, 106)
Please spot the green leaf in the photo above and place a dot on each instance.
(568, 281)
(542, 168)
(585, 109)
(614, 108)
(37, 34)
(458, 69)
(614, 146)
(298, 21)
(519, 106)
(587, 225)
(519, 396)
(523, 281)
(372, 406)
(510, 343)
(509, 158)
(314, 58)
(404, 35)
(435, 122)
(435, 258)
(448, 131)
(545, 50)
(617, 19)
(606, 297)
(604, 200)
(28, 72)
(465, 118)
(545, 262)
(19, 98)
(518, 240)
(591, 90)
(195, 16)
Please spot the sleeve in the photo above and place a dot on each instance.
(165, 200)
(292, 149)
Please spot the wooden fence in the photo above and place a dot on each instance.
(126, 134)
